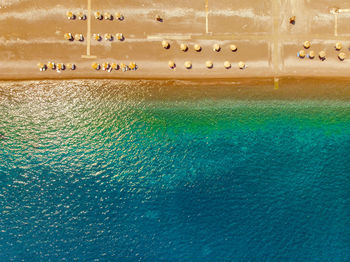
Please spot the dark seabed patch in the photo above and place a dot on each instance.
(129, 171)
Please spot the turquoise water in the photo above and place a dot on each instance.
(99, 171)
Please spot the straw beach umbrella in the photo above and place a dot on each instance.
(171, 64)
(70, 15)
(68, 36)
(301, 54)
(184, 47)
(241, 65)
(307, 44)
(188, 64)
(119, 16)
(233, 48)
(98, 16)
(165, 44)
(108, 37)
(338, 46)
(79, 37)
(216, 48)
(95, 66)
(227, 64)
(197, 48)
(209, 64)
(341, 56)
(82, 16)
(322, 55)
(108, 16)
(311, 55)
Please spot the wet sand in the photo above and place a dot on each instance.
(32, 32)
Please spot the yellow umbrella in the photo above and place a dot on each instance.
(79, 37)
(105, 66)
(108, 37)
(183, 47)
(81, 16)
(241, 65)
(322, 55)
(124, 67)
(216, 47)
(197, 47)
(95, 66)
(132, 66)
(68, 36)
(120, 36)
(227, 64)
(233, 48)
(172, 64)
(51, 65)
(338, 46)
(188, 64)
(165, 44)
(97, 37)
(98, 16)
(70, 15)
(114, 66)
(119, 16)
(311, 54)
(209, 64)
(341, 56)
(307, 44)
(301, 54)
(42, 67)
(108, 16)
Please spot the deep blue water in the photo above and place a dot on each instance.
(91, 171)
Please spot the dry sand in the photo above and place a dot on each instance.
(32, 31)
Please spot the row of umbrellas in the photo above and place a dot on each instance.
(114, 66)
(209, 64)
(322, 54)
(98, 15)
(184, 47)
(97, 37)
(56, 66)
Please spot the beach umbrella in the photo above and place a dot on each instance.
(338, 46)
(188, 64)
(227, 64)
(60, 67)
(71, 66)
(216, 47)
(183, 47)
(233, 48)
(311, 55)
(165, 44)
(119, 16)
(79, 37)
(341, 56)
(105, 66)
(95, 66)
(120, 36)
(70, 15)
(172, 64)
(108, 37)
(322, 55)
(42, 67)
(98, 16)
(124, 67)
(81, 16)
(197, 47)
(209, 64)
(68, 36)
(292, 20)
(115, 66)
(159, 19)
(301, 54)
(307, 44)
(51, 65)
(97, 37)
(241, 65)
(132, 66)
(108, 16)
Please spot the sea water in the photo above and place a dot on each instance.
(102, 171)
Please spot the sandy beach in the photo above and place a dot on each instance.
(32, 32)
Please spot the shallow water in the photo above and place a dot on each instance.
(125, 171)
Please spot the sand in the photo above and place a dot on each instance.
(32, 32)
